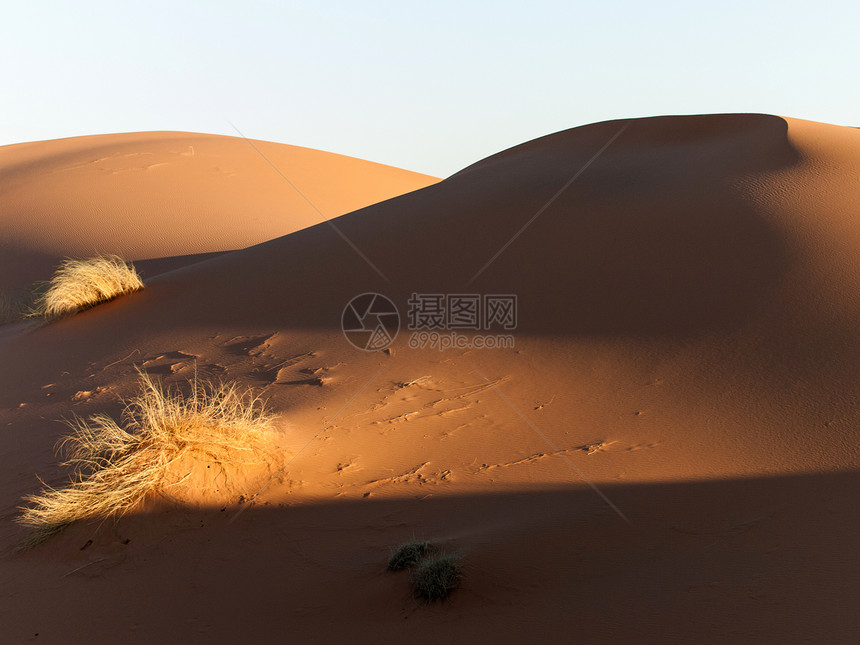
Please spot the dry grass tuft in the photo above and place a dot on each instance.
(81, 284)
(162, 435)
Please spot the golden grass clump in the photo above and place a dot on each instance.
(81, 284)
(163, 434)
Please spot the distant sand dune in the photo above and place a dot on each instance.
(152, 195)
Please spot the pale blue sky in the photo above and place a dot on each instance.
(430, 86)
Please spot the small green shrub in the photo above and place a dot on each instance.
(14, 306)
(408, 555)
(436, 577)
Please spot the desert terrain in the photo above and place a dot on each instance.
(668, 453)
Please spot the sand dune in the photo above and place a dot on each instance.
(154, 195)
(687, 342)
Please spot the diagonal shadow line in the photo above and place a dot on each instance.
(549, 202)
(312, 205)
(555, 448)
(253, 497)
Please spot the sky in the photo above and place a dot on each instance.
(427, 86)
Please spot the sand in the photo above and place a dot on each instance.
(668, 454)
(166, 199)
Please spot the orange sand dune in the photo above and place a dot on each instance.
(688, 342)
(150, 195)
